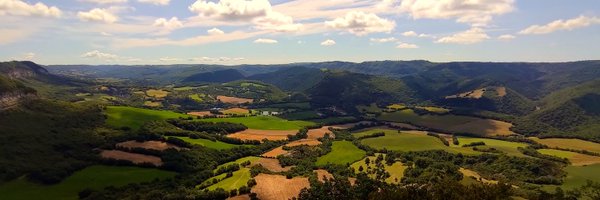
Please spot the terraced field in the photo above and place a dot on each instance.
(94, 177)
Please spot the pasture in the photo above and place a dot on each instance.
(342, 153)
(450, 123)
(253, 134)
(395, 170)
(134, 118)
(264, 122)
(434, 109)
(197, 97)
(157, 93)
(577, 159)
(133, 157)
(269, 187)
(409, 141)
(209, 143)
(510, 148)
(94, 177)
(577, 177)
(240, 178)
(565, 143)
(234, 100)
(152, 104)
(252, 159)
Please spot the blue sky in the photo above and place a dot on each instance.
(230, 32)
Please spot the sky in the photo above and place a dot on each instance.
(230, 32)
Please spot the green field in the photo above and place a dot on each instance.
(342, 152)
(94, 177)
(239, 161)
(396, 170)
(510, 148)
(185, 88)
(264, 122)
(240, 178)
(120, 116)
(409, 142)
(372, 131)
(557, 153)
(369, 109)
(577, 176)
(434, 109)
(569, 144)
(197, 97)
(209, 143)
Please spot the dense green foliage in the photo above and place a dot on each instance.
(47, 139)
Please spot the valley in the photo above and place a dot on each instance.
(223, 132)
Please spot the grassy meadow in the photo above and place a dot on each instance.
(120, 116)
(396, 170)
(209, 143)
(240, 178)
(510, 148)
(264, 122)
(576, 159)
(564, 143)
(94, 177)
(342, 152)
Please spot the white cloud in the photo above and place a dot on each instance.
(410, 34)
(20, 8)
(471, 36)
(422, 35)
(579, 22)
(328, 43)
(383, 40)
(105, 34)
(215, 31)
(98, 15)
(99, 55)
(506, 37)
(360, 23)
(192, 41)
(170, 24)
(28, 56)
(156, 2)
(265, 41)
(258, 12)
(106, 1)
(474, 12)
(169, 59)
(406, 46)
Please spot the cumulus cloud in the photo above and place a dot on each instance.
(476, 13)
(20, 8)
(156, 2)
(506, 37)
(406, 46)
(383, 40)
(328, 43)
(99, 55)
(170, 24)
(579, 22)
(265, 41)
(410, 34)
(258, 12)
(28, 56)
(361, 23)
(215, 31)
(471, 36)
(169, 59)
(98, 15)
(106, 1)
